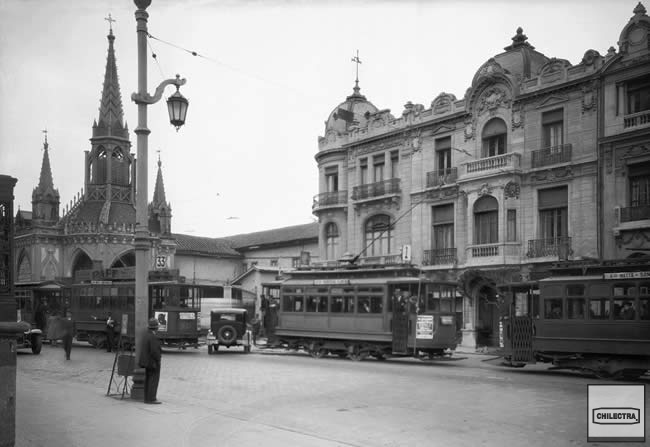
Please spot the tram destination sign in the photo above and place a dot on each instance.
(331, 282)
(626, 275)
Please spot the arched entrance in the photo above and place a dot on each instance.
(82, 262)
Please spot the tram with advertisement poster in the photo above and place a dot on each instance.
(93, 294)
(591, 317)
(367, 311)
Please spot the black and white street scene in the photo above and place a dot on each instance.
(324, 223)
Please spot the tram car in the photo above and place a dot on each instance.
(366, 312)
(593, 318)
(93, 294)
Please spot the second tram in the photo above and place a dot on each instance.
(362, 312)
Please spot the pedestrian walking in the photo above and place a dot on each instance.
(149, 359)
(110, 332)
(68, 334)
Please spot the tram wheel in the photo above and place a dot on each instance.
(318, 353)
(356, 354)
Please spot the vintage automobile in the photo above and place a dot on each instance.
(228, 327)
(30, 338)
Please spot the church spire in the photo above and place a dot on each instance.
(159, 191)
(111, 115)
(45, 199)
(160, 212)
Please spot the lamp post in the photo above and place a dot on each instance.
(177, 106)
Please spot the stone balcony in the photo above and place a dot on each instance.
(551, 155)
(508, 163)
(634, 120)
(328, 200)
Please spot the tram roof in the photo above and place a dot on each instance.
(343, 281)
(571, 278)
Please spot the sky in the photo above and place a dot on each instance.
(266, 77)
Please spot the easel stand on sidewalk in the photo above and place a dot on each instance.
(125, 363)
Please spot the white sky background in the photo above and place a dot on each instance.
(275, 71)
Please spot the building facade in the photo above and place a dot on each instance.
(539, 161)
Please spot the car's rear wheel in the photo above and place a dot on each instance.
(37, 343)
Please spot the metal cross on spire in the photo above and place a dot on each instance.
(357, 61)
(110, 21)
(45, 143)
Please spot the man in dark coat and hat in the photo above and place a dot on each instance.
(149, 359)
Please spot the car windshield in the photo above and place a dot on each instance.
(230, 317)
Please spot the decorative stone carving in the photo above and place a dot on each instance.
(469, 129)
(442, 103)
(588, 98)
(590, 57)
(484, 190)
(512, 189)
(550, 175)
(517, 117)
(491, 99)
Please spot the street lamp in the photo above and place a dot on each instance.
(177, 106)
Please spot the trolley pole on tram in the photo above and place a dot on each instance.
(177, 106)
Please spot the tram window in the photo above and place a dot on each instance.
(624, 290)
(575, 290)
(348, 304)
(644, 289)
(343, 304)
(644, 308)
(336, 305)
(433, 302)
(624, 310)
(376, 305)
(316, 304)
(575, 308)
(553, 308)
(364, 305)
(521, 304)
(445, 305)
(599, 309)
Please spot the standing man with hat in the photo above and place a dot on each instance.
(150, 360)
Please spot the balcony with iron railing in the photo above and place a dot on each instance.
(330, 200)
(440, 256)
(557, 247)
(388, 187)
(442, 177)
(634, 213)
(551, 155)
(509, 162)
(636, 119)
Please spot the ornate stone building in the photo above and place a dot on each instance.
(537, 162)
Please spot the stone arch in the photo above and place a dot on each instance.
(23, 267)
(481, 291)
(80, 261)
(124, 259)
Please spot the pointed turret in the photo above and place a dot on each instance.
(111, 115)
(45, 199)
(160, 212)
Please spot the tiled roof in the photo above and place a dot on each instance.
(203, 245)
(275, 236)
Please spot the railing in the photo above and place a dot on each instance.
(330, 199)
(442, 177)
(382, 259)
(377, 189)
(636, 119)
(633, 213)
(479, 251)
(552, 155)
(510, 160)
(439, 256)
(553, 246)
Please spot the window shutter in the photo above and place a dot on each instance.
(553, 198)
(443, 214)
(553, 116)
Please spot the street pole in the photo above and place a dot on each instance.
(177, 105)
(141, 229)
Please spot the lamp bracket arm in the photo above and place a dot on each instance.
(145, 98)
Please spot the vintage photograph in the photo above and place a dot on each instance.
(321, 223)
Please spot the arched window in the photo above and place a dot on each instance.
(494, 137)
(486, 220)
(332, 241)
(378, 236)
(24, 269)
(100, 167)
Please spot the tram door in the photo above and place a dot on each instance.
(400, 321)
(519, 324)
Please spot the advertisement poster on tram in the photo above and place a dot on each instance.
(424, 327)
(162, 321)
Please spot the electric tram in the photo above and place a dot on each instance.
(387, 311)
(592, 317)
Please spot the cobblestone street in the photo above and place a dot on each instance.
(286, 398)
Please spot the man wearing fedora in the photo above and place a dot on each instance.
(150, 360)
